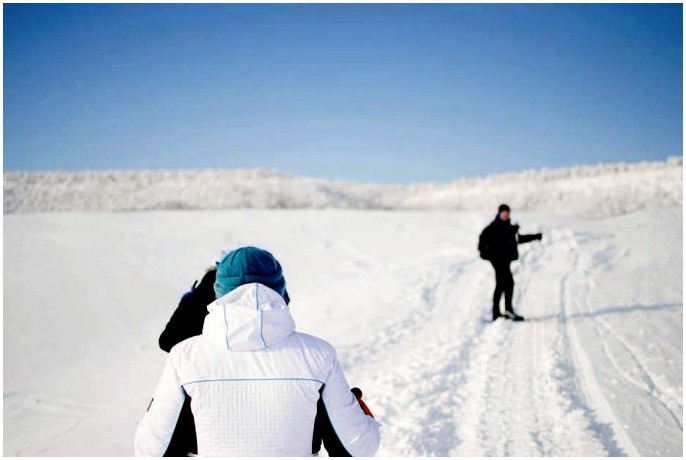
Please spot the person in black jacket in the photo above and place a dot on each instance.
(187, 321)
(498, 244)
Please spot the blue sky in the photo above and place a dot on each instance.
(388, 93)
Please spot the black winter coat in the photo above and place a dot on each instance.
(498, 241)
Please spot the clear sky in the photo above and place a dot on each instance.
(388, 93)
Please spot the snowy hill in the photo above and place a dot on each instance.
(601, 190)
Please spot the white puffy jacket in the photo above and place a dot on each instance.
(254, 384)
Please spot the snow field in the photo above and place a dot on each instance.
(596, 371)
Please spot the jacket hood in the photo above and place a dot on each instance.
(250, 317)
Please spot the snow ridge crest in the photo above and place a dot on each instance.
(598, 191)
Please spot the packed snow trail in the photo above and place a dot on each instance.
(619, 380)
(462, 386)
(596, 369)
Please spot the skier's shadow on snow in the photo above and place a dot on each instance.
(606, 311)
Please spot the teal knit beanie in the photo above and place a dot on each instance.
(249, 265)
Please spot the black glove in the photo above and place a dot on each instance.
(539, 236)
(515, 228)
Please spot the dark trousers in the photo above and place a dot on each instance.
(504, 283)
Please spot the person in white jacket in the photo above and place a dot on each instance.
(254, 382)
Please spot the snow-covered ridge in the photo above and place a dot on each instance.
(600, 190)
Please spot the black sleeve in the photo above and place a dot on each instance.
(183, 323)
(522, 239)
(485, 244)
(189, 317)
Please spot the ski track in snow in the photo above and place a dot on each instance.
(50, 409)
(644, 381)
(585, 390)
(633, 371)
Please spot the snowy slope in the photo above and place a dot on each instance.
(600, 190)
(404, 298)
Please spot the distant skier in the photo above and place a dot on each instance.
(498, 244)
(254, 382)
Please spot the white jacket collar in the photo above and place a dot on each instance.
(251, 317)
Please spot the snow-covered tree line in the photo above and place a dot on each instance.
(599, 190)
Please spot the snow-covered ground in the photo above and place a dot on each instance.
(596, 371)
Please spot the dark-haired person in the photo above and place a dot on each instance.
(498, 244)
